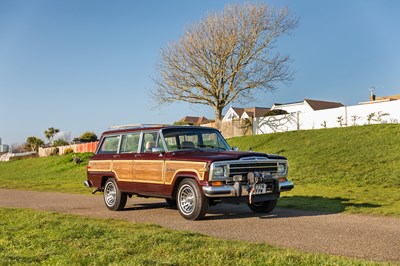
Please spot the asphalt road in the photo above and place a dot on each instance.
(360, 236)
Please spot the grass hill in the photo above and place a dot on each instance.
(354, 169)
(360, 155)
(54, 173)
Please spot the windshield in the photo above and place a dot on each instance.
(193, 138)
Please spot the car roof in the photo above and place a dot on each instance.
(147, 127)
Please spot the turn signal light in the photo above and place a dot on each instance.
(281, 179)
(217, 183)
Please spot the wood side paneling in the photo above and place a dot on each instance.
(172, 168)
(148, 171)
(123, 170)
(100, 166)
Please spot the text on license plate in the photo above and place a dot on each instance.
(260, 188)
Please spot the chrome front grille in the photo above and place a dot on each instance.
(244, 168)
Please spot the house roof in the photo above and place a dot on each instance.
(392, 97)
(314, 104)
(256, 111)
(238, 111)
(251, 111)
(195, 120)
(321, 105)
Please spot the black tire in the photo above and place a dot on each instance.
(114, 199)
(263, 207)
(192, 204)
(171, 202)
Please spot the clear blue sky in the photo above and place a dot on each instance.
(86, 65)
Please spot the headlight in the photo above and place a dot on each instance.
(221, 171)
(282, 169)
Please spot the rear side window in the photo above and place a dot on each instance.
(109, 145)
(130, 143)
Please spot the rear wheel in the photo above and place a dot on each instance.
(192, 204)
(114, 199)
(263, 207)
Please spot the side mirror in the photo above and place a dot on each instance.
(234, 148)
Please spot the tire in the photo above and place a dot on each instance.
(192, 204)
(263, 207)
(114, 199)
(171, 202)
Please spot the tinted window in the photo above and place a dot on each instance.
(109, 145)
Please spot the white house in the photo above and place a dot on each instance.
(314, 114)
(243, 113)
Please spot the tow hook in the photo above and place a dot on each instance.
(255, 178)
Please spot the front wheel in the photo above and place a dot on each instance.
(192, 204)
(263, 207)
(114, 199)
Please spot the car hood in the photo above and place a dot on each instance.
(204, 155)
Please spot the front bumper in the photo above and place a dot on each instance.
(232, 191)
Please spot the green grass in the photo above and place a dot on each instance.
(34, 237)
(354, 169)
(54, 173)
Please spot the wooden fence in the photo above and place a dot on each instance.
(78, 148)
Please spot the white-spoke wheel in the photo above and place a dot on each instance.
(187, 200)
(113, 198)
(110, 194)
(192, 203)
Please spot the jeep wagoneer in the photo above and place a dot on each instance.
(191, 167)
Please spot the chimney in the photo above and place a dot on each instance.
(372, 96)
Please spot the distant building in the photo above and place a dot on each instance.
(243, 113)
(378, 99)
(194, 120)
(3, 148)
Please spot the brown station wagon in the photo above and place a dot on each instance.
(191, 167)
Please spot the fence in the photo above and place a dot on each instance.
(78, 148)
(15, 156)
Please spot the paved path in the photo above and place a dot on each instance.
(367, 237)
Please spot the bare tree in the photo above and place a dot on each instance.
(226, 57)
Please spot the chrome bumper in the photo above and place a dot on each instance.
(286, 186)
(230, 191)
(87, 183)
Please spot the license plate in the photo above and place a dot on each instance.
(260, 188)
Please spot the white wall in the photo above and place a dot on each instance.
(350, 115)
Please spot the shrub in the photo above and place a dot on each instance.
(88, 137)
(59, 142)
(55, 151)
(68, 151)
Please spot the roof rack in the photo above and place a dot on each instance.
(128, 126)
